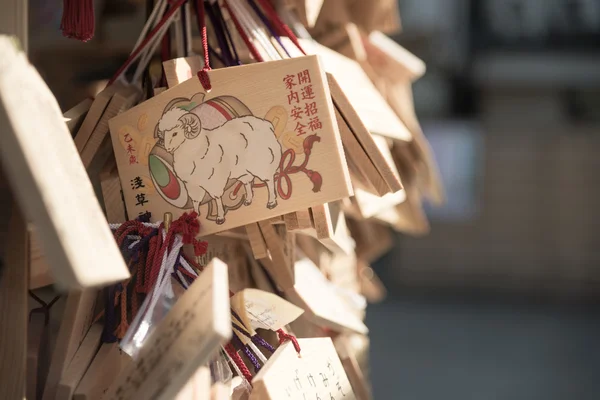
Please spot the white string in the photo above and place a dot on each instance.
(188, 28)
(155, 39)
(258, 353)
(153, 19)
(151, 49)
(167, 264)
(187, 266)
(244, 15)
(115, 226)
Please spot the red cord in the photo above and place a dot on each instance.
(239, 362)
(78, 19)
(240, 30)
(280, 25)
(284, 337)
(146, 40)
(203, 73)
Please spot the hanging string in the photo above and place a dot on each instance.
(239, 362)
(203, 73)
(255, 54)
(266, 22)
(44, 307)
(282, 26)
(284, 337)
(78, 19)
(219, 14)
(220, 35)
(138, 51)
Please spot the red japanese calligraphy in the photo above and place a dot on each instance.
(308, 93)
(289, 81)
(314, 124)
(304, 77)
(296, 113)
(310, 109)
(300, 128)
(293, 96)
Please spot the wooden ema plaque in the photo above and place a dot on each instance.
(260, 144)
(193, 330)
(317, 374)
(49, 180)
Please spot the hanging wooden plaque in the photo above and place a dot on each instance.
(316, 374)
(193, 330)
(216, 152)
(49, 180)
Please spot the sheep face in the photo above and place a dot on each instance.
(174, 138)
(176, 126)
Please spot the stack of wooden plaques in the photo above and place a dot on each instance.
(256, 194)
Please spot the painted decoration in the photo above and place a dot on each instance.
(261, 143)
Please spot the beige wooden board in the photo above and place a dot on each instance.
(373, 110)
(111, 192)
(40, 274)
(220, 391)
(372, 239)
(370, 205)
(311, 248)
(181, 69)
(93, 116)
(319, 298)
(198, 387)
(383, 15)
(261, 87)
(298, 220)
(394, 69)
(36, 346)
(39, 271)
(317, 374)
(259, 275)
(108, 364)
(257, 242)
(408, 217)
(78, 316)
(281, 269)
(371, 285)
(50, 181)
(123, 99)
(392, 56)
(264, 310)
(13, 308)
(190, 334)
(400, 98)
(330, 228)
(74, 117)
(370, 143)
(308, 10)
(358, 158)
(355, 375)
(79, 364)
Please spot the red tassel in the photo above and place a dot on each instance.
(78, 19)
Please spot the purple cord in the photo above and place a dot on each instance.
(260, 341)
(218, 29)
(226, 29)
(248, 353)
(266, 22)
(256, 339)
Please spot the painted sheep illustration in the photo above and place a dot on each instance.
(242, 148)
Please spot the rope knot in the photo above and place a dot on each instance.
(284, 337)
(204, 79)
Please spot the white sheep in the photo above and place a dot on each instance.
(243, 148)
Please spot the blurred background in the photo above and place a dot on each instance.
(499, 301)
